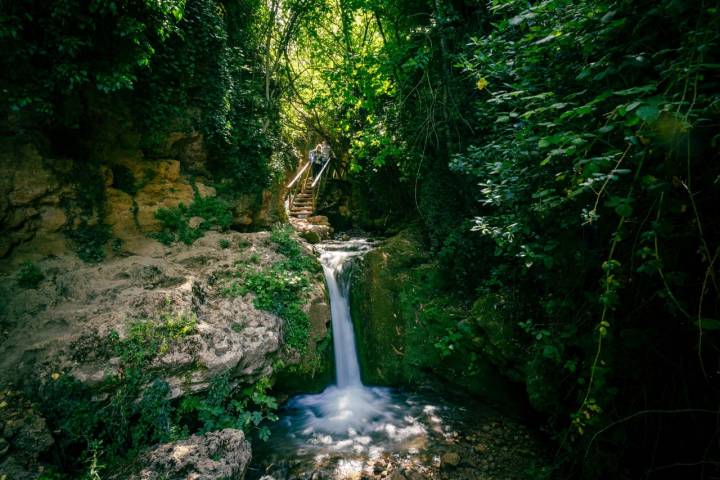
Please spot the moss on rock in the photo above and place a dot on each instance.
(408, 327)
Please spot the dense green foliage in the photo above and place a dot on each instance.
(175, 222)
(53, 54)
(562, 160)
(131, 409)
(84, 79)
(208, 78)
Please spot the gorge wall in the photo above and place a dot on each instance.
(53, 205)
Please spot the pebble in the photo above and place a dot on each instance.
(451, 459)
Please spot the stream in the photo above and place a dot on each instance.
(354, 431)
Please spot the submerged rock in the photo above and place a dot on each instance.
(450, 459)
(224, 455)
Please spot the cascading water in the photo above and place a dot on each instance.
(347, 369)
(348, 405)
(350, 430)
(339, 430)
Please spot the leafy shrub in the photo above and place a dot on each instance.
(224, 243)
(225, 406)
(132, 410)
(90, 241)
(297, 259)
(29, 275)
(214, 211)
(282, 288)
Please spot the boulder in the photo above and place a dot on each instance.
(450, 459)
(311, 236)
(218, 455)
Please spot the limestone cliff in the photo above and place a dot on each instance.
(45, 199)
(70, 322)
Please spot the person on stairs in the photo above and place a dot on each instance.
(315, 160)
(325, 152)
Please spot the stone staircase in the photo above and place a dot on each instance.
(313, 228)
(302, 205)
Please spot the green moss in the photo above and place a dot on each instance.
(410, 331)
(29, 275)
(374, 301)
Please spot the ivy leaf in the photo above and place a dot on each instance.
(621, 205)
(648, 113)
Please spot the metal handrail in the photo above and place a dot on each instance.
(317, 179)
(320, 178)
(297, 177)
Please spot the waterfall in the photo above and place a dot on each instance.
(347, 369)
(348, 404)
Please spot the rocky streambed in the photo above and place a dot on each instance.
(418, 436)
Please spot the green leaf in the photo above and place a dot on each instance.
(648, 113)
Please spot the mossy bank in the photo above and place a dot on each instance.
(408, 325)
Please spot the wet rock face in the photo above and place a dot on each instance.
(63, 324)
(313, 229)
(214, 456)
